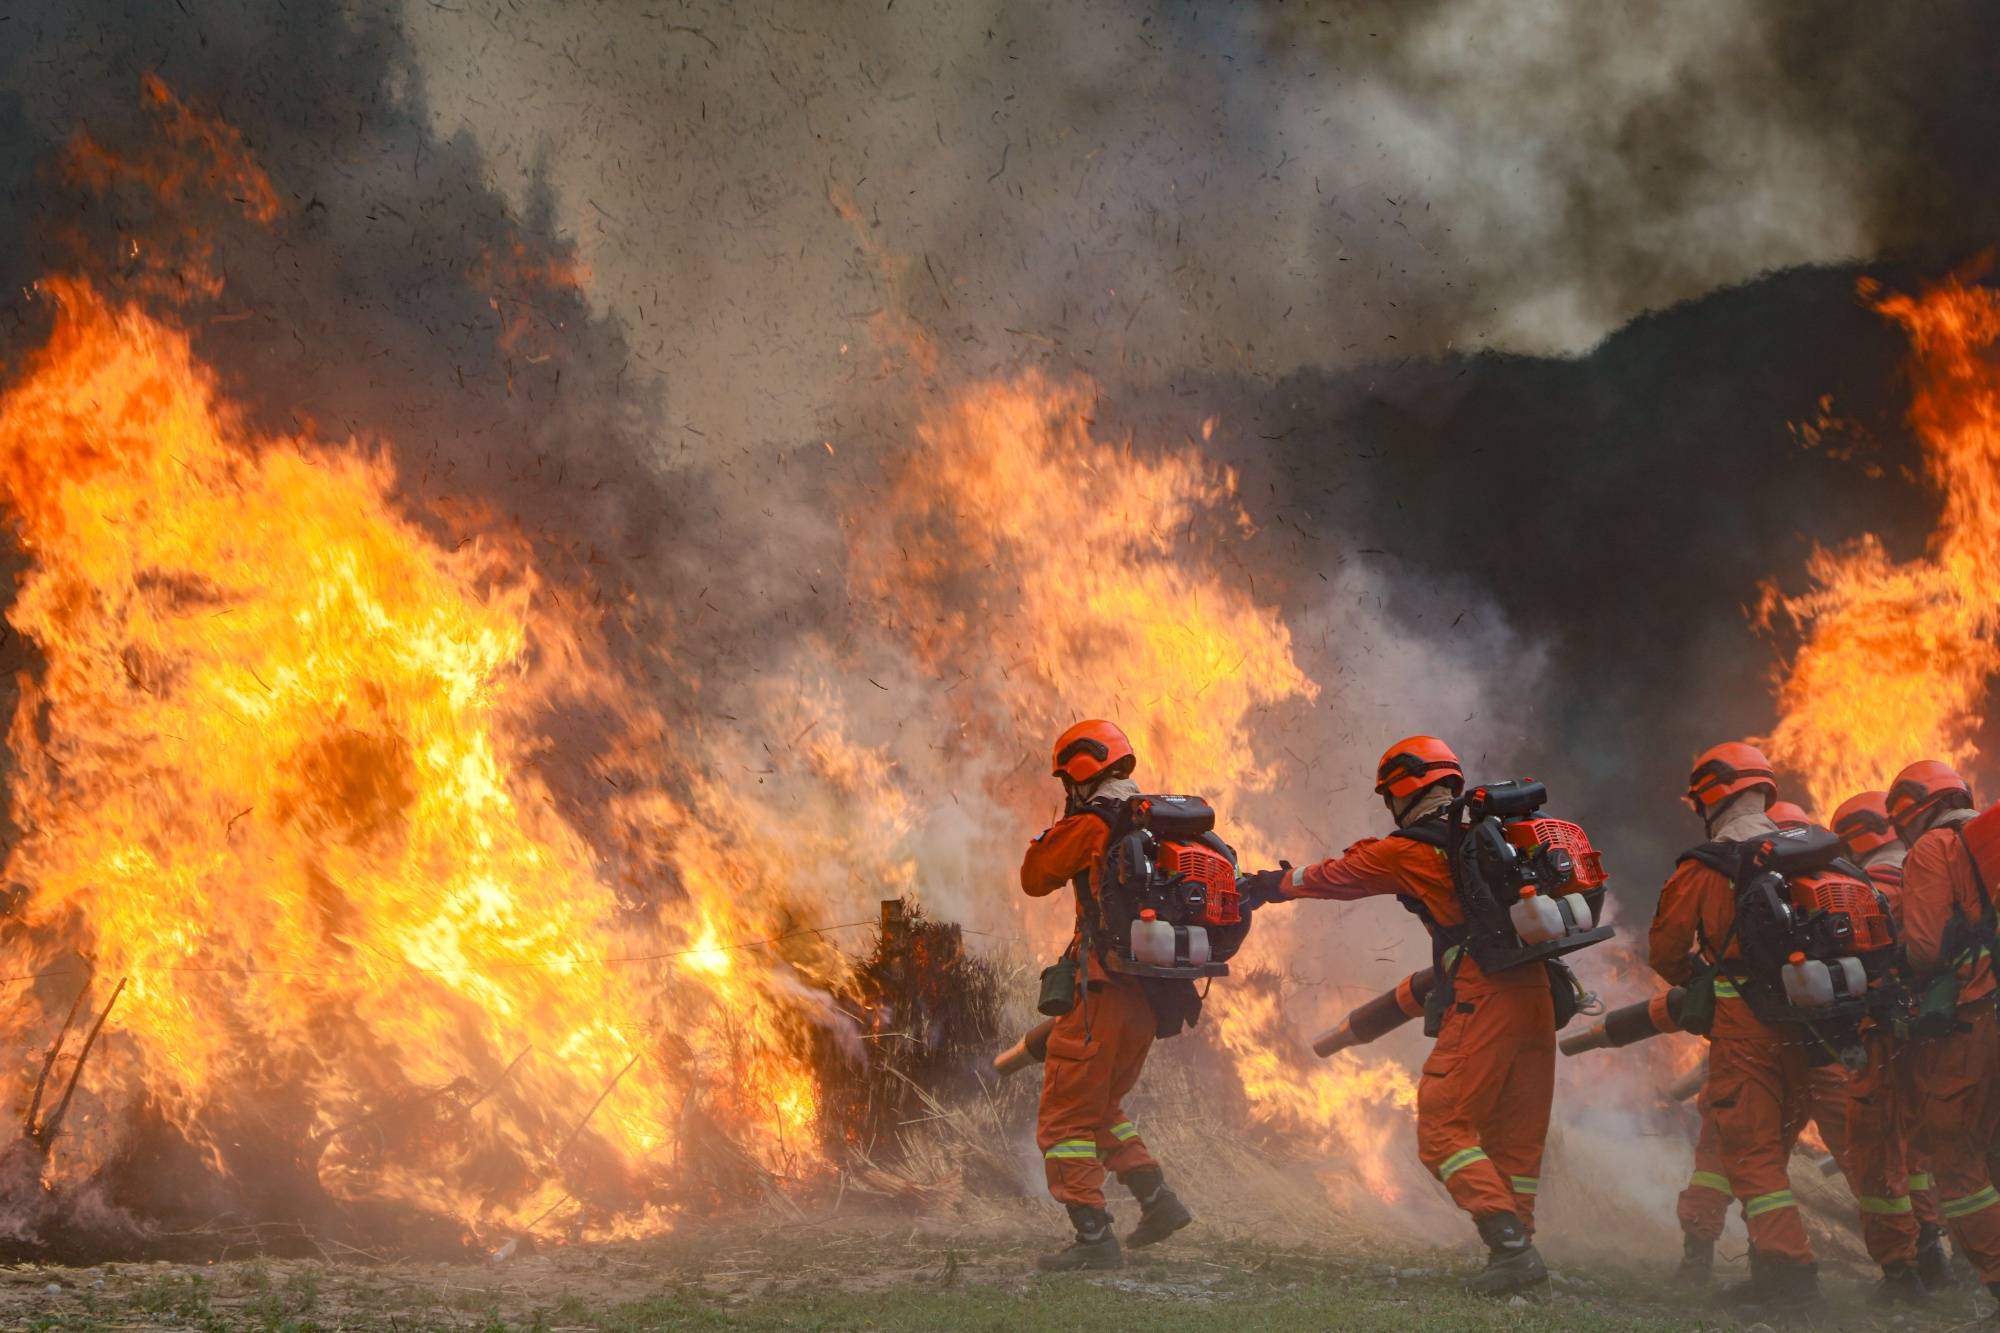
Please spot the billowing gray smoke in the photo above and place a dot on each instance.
(1312, 218)
(1188, 202)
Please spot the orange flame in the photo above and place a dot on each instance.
(1051, 568)
(1897, 656)
(277, 770)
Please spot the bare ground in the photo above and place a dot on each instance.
(861, 1272)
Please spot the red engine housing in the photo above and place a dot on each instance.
(1833, 893)
(1542, 831)
(1209, 868)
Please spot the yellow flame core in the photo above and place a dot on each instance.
(274, 771)
(1896, 658)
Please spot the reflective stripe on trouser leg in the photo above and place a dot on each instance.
(1458, 1161)
(1525, 1184)
(1921, 1181)
(1709, 1180)
(1765, 1203)
(1121, 1149)
(1072, 1150)
(1885, 1207)
(1953, 1209)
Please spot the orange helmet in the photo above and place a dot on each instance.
(1789, 814)
(1919, 788)
(1727, 770)
(1414, 763)
(1090, 749)
(1863, 823)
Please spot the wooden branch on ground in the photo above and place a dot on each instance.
(50, 1127)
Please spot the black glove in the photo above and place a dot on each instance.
(1266, 886)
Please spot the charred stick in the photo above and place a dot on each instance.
(616, 1079)
(48, 1131)
(505, 1074)
(318, 1143)
(49, 1063)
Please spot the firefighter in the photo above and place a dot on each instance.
(1862, 823)
(1483, 1102)
(1789, 815)
(1955, 1060)
(1703, 1206)
(1098, 1048)
(1757, 1087)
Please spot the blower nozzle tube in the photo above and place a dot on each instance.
(1380, 1016)
(1031, 1049)
(1631, 1024)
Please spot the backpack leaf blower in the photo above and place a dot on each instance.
(1167, 904)
(1529, 885)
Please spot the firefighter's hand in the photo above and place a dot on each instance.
(1266, 886)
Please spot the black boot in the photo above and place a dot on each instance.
(1161, 1212)
(1900, 1285)
(1933, 1263)
(1697, 1262)
(1779, 1282)
(1094, 1246)
(1511, 1260)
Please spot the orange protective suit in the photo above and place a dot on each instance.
(1703, 1207)
(1758, 1088)
(1875, 1154)
(1483, 1103)
(1096, 1050)
(1957, 1077)
(1885, 868)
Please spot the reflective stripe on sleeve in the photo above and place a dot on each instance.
(1922, 1180)
(1725, 989)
